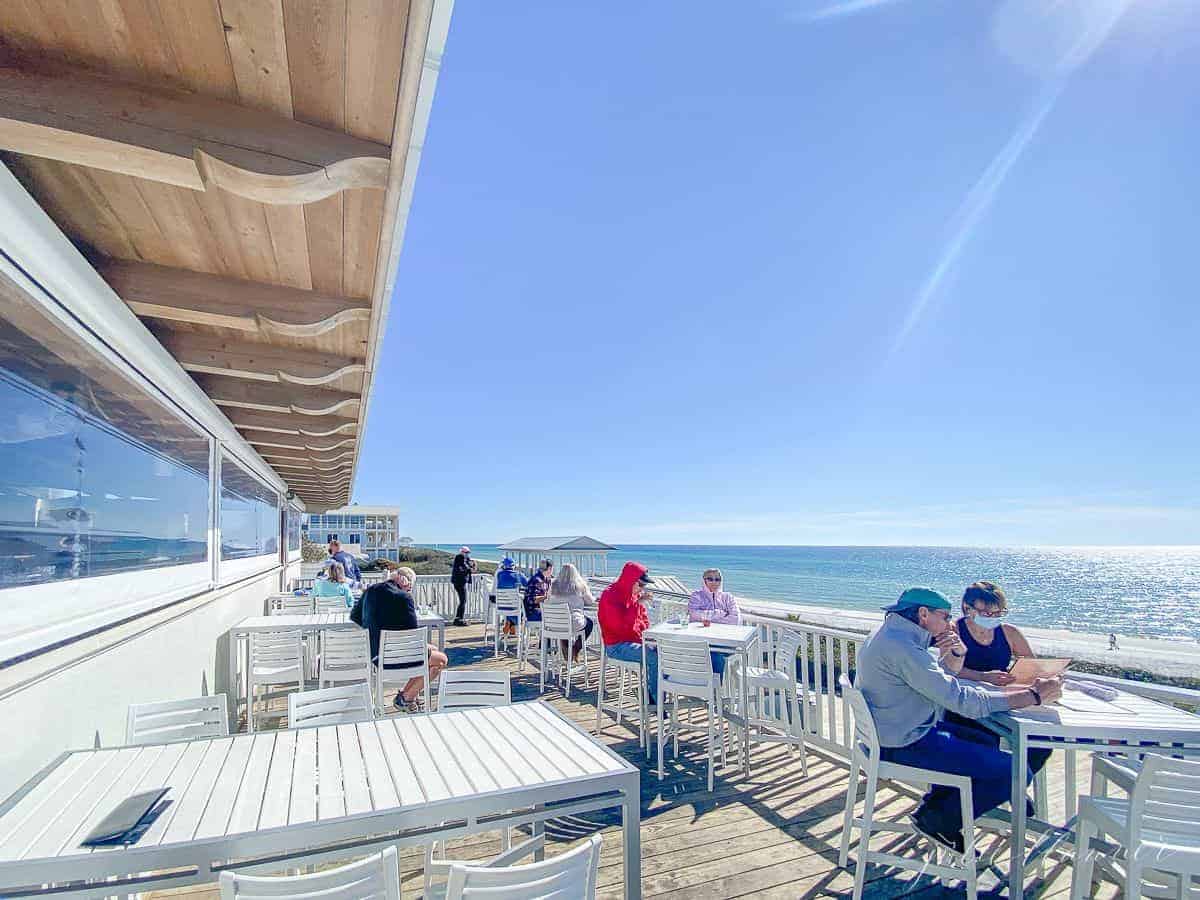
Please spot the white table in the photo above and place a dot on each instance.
(729, 639)
(309, 625)
(1082, 723)
(274, 799)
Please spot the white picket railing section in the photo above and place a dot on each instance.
(436, 592)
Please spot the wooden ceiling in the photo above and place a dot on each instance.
(228, 167)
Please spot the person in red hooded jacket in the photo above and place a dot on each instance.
(623, 619)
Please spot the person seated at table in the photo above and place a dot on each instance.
(571, 588)
(335, 585)
(337, 554)
(712, 604)
(508, 578)
(537, 589)
(908, 671)
(623, 619)
(992, 644)
(389, 606)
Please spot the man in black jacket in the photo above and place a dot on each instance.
(460, 577)
(389, 606)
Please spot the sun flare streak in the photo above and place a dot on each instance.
(847, 8)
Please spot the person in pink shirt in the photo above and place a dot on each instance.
(712, 603)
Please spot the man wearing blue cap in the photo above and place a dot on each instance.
(907, 672)
(507, 578)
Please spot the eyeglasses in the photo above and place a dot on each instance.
(712, 578)
(993, 613)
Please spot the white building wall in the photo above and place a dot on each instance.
(58, 701)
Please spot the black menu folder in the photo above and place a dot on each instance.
(128, 820)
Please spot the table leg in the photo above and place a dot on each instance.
(249, 686)
(631, 821)
(1016, 865)
(1070, 787)
(231, 686)
(743, 683)
(538, 829)
(442, 637)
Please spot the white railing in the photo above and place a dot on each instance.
(438, 593)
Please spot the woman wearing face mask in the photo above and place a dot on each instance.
(991, 643)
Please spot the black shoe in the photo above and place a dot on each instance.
(459, 623)
(400, 703)
(922, 825)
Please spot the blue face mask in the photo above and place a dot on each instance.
(989, 623)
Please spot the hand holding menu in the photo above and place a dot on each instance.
(1028, 668)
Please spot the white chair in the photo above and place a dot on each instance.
(624, 669)
(529, 632)
(568, 876)
(177, 720)
(864, 759)
(508, 603)
(345, 656)
(685, 670)
(1158, 827)
(666, 610)
(776, 698)
(334, 603)
(293, 605)
(375, 878)
(276, 658)
(408, 649)
(559, 625)
(469, 688)
(331, 706)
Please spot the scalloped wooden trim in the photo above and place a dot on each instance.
(312, 329)
(369, 172)
(352, 369)
(336, 430)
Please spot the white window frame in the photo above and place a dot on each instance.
(231, 570)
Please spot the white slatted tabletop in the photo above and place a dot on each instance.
(292, 794)
(1083, 723)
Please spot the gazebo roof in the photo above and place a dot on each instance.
(557, 544)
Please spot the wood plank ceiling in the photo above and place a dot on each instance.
(228, 167)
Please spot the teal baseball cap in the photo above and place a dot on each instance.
(919, 596)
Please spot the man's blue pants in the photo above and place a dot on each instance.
(956, 750)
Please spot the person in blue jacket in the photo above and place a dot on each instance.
(348, 563)
(507, 577)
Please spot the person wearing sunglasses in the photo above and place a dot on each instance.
(711, 604)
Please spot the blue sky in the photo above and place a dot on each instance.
(802, 272)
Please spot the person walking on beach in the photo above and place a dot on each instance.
(460, 576)
(623, 619)
(906, 687)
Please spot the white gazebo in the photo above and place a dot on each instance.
(587, 554)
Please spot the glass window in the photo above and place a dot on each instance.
(293, 529)
(249, 514)
(96, 475)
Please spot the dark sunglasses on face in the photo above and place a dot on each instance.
(711, 578)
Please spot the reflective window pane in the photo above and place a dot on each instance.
(293, 529)
(249, 514)
(96, 475)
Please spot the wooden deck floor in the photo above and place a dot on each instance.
(772, 834)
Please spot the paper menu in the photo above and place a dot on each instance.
(1027, 668)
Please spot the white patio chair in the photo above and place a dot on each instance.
(865, 759)
(568, 876)
(624, 669)
(331, 706)
(508, 603)
(345, 656)
(177, 720)
(276, 658)
(529, 632)
(331, 604)
(409, 649)
(775, 696)
(292, 605)
(559, 625)
(471, 689)
(1157, 827)
(685, 670)
(375, 878)
(666, 610)
(468, 688)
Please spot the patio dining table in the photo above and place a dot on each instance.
(309, 625)
(269, 801)
(732, 640)
(1082, 723)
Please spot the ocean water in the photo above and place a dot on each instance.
(1134, 591)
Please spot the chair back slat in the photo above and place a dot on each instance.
(291, 605)
(467, 688)
(402, 647)
(375, 878)
(864, 724)
(345, 655)
(685, 661)
(334, 603)
(275, 648)
(569, 876)
(1166, 800)
(177, 720)
(508, 601)
(330, 706)
(556, 620)
(785, 650)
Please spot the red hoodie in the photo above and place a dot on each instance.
(622, 617)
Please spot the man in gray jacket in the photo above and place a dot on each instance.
(907, 672)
